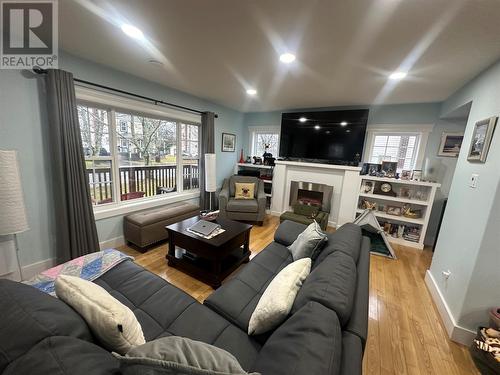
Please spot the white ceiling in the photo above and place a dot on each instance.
(345, 48)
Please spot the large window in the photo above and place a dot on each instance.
(264, 139)
(401, 147)
(131, 156)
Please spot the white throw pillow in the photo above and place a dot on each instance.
(277, 300)
(110, 320)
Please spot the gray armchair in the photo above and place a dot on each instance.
(242, 209)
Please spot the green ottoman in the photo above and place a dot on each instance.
(304, 214)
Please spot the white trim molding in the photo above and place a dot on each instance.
(112, 243)
(118, 101)
(261, 129)
(422, 130)
(117, 209)
(456, 333)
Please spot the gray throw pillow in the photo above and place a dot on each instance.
(308, 243)
(179, 355)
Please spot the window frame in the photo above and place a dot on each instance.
(113, 103)
(254, 130)
(422, 131)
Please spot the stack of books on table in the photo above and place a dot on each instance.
(206, 229)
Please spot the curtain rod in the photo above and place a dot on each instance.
(155, 101)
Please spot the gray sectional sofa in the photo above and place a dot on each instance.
(324, 334)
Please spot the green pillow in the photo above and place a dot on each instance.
(305, 210)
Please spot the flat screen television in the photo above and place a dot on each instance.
(335, 137)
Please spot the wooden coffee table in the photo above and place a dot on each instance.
(210, 261)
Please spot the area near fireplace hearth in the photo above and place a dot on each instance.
(336, 185)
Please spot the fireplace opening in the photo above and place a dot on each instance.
(311, 194)
(310, 197)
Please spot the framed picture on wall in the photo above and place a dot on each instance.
(451, 143)
(228, 142)
(481, 139)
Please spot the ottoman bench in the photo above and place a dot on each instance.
(147, 227)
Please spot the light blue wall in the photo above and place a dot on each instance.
(470, 236)
(23, 124)
(23, 127)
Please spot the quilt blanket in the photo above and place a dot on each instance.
(88, 267)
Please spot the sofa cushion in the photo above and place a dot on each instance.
(352, 354)
(358, 322)
(111, 321)
(346, 239)
(151, 216)
(179, 355)
(62, 355)
(287, 232)
(309, 342)
(164, 310)
(242, 205)
(237, 298)
(276, 302)
(29, 316)
(333, 284)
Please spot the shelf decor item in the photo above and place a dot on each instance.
(481, 139)
(384, 188)
(394, 210)
(242, 159)
(416, 175)
(451, 144)
(406, 175)
(389, 168)
(228, 142)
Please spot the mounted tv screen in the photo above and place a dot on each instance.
(331, 136)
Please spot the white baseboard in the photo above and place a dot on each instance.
(456, 333)
(112, 243)
(35, 268)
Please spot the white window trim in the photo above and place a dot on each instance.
(261, 129)
(422, 130)
(117, 102)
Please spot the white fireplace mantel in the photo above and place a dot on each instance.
(344, 179)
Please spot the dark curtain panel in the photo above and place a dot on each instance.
(76, 230)
(207, 146)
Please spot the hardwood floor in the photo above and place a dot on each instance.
(405, 333)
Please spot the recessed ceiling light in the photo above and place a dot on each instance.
(343, 123)
(317, 127)
(328, 132)
(347, 131)
(132, 31)
(398, 75)
(252, 92)
(287, 58)
(302, 119)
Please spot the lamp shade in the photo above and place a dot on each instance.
(210, 183)
(12, 210)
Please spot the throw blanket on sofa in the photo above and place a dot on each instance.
(88, 267)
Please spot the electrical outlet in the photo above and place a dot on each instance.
(473, 180)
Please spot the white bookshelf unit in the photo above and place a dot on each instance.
(418, 195)
(265, 170)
